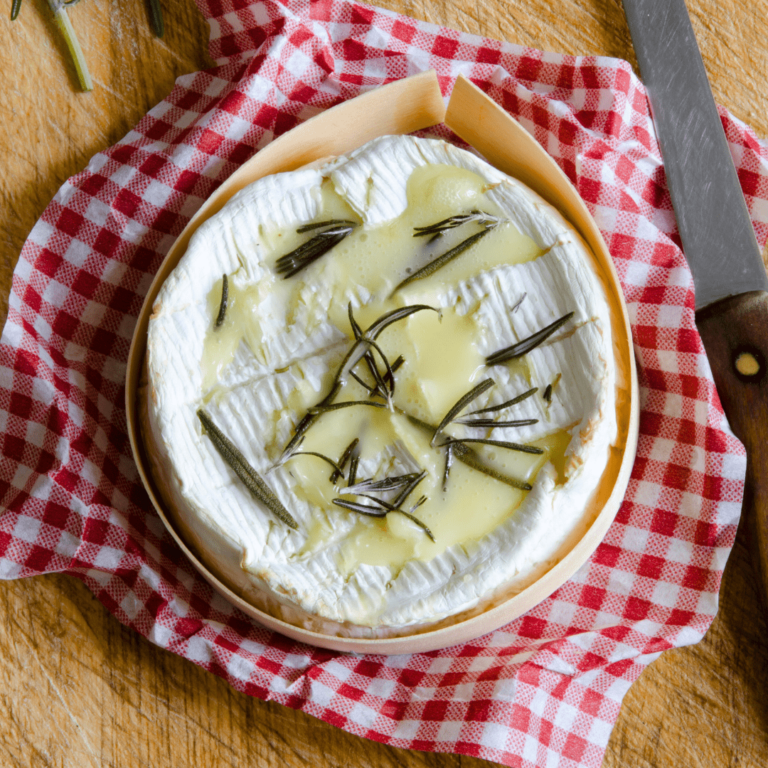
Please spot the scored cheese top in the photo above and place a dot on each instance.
(283, 340)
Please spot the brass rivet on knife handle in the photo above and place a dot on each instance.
(730, 329)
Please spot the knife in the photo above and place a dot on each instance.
(718, 240)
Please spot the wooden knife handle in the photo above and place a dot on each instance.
(735, 336)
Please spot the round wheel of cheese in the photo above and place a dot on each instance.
(400, 405)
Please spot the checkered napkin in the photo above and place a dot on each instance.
(544, 690)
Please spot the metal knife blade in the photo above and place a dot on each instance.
(718, 239)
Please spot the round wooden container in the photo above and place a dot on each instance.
(402, 107)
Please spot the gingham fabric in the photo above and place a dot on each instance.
(544, 690)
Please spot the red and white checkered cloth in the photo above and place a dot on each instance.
(544, 690)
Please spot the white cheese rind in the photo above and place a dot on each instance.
(241, 540)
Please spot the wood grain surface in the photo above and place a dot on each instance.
(76, 688)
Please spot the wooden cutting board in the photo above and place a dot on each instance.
(78, 689)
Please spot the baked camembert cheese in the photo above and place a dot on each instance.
(381, 391)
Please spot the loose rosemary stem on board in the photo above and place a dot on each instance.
(223, 303)
(526, 345)
(156, 18)
(244, 471)
(59, 10)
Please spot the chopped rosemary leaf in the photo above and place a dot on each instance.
(416, 520)
(393, 508)
(317, 455)
(223, 303)
(385, 484)
(15, 8)
(498, 443)
(526, 345)
(308, 419)
(330, 223)
(548, 394)
(408, 490)
(441, 261)
(363, 509)
(507, 403)
(460, 405)
(337, 474)
(353, 462)
(244, 471)
(517, 305)
(317, 246)
(356, 329)
(377, 326)
(485, 219)
(318, 409)
(448, 464)
(491, 424)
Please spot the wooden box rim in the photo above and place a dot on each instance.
(402, 107)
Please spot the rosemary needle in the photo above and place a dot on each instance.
(156, 17)
(15, 8)
(506, 403)
(345, 457)
(526, 345)
(460, 405)
(250, 478)
(441, 261)
(491, 424)
(224, 300)
(318, 409)
(498, 443)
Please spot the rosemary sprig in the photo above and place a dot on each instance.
(491, 424)
(223, 303)
(156, 17)
(441, 261)
(365, 343)
(318, 409)
(466, 455)
(498, 443)
(437, 229)
(244, 471)
(337, 474)
(506, 403)
(526, 345)
(315, 247)
(460, 405)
